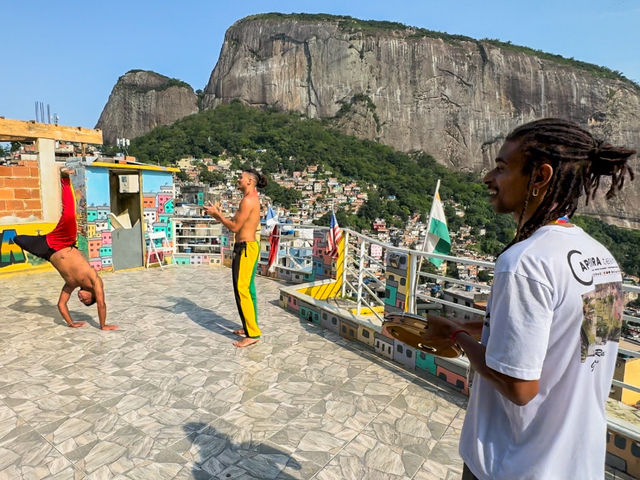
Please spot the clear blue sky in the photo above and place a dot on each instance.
(70, 53)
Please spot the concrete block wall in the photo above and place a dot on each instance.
(20, 190)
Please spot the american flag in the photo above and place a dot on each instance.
(334, 237)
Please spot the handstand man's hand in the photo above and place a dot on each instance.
(76, 324)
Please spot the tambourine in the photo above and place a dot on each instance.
(414, 331)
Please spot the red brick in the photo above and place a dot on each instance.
(7, 194)
(15, 205)
(3, 207)
(33, 204)
(31, 213)
(27, 193)
(5, 171)
(20, 171)
(22, 182)
(34, 172)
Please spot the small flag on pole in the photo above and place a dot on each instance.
(437, 239)
(334, 236)
(274, 242)
(274, 238)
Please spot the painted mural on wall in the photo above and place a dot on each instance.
(158, 204)
(12, 257)
(93, 203)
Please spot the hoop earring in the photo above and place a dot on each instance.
(535, 191)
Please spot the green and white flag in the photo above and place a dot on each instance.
(437, 239)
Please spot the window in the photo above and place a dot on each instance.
(365, 333)
(351, 332)
(334, 320)
(620, 442)
(455, 300)
(403, 260)
(399, 348)
(422, 355)
(377, 343)
(403, 281)
(392, 278)
(635, 449)
(460, 384)
(389, 349)
(295, 302)
(324, 316)
(409, 353)
(442, 376)
(344, 329)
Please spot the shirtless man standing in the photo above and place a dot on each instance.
(58, 247)
(246, 252)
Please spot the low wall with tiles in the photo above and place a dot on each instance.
(303, 301)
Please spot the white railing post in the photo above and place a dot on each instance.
(174, 244)
(345, 256)
(360, 274)
(413, 284)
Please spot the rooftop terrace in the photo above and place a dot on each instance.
(168, 397)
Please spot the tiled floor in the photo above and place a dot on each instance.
(168, 397)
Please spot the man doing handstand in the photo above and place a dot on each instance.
(58, 247)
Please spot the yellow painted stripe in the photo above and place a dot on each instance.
(134, 167)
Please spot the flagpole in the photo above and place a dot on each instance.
(426, 237)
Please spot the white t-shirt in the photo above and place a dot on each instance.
(554, 314)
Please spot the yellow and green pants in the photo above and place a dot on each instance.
(243, 267)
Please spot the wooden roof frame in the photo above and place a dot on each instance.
(21, 131)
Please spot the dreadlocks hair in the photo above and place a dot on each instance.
(578, 160)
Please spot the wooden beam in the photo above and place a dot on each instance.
(18, 130)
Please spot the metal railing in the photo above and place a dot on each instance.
(292, 246)
(361, 270)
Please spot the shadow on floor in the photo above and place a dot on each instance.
(424, 380)
(221, 457)
(204, 317)
(48, 309)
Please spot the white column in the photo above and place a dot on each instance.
(49, 180)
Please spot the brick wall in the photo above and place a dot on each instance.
(20, 190)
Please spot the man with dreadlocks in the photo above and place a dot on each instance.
(549, 344)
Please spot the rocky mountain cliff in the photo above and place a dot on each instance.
(453, 97)
(142, 100)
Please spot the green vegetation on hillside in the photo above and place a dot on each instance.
(170, 82)
(622, 242)
(372, 27)
(398, 184)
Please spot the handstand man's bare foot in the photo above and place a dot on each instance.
(66, 172)
(245, 342)
(76, 324)
(239, 331)
(109, 327)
